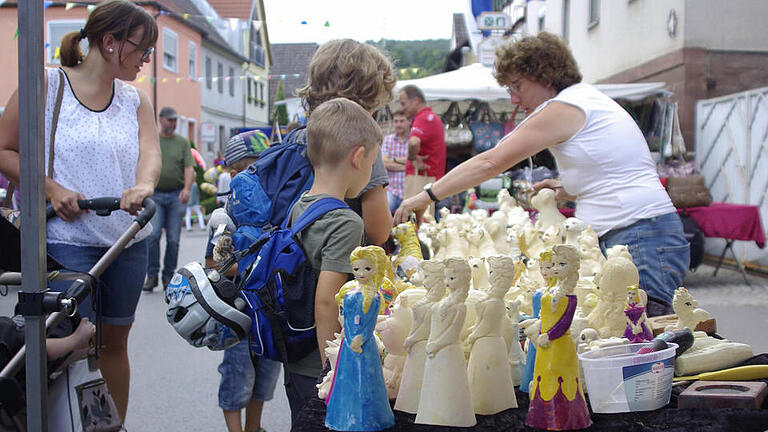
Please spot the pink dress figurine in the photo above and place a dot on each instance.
(636, 330)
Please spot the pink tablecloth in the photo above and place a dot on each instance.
(729, 221)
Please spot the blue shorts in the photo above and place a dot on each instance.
(659, 250)
(243, 379)
(119, 286)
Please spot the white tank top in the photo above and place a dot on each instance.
(95, 154)
(607, 164)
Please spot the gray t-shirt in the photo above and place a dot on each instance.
(328, 242)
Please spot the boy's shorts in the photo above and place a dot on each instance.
(243, 379)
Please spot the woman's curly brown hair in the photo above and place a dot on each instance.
(544, 59)
(349, 69)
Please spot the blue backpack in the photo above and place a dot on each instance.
(263, 194)
(279, 290)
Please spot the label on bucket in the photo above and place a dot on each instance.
(648, 386)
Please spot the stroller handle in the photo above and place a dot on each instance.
(106, 205)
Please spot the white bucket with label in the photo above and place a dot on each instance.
(619, 380)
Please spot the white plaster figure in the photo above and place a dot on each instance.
(445, 397)
(506, 201)
(393, 330)
(479, 273)
(513, 243)
(489, 372)
(618, 250)
(452, 244)
(481, 243)
(331, 353)
(709, 354)
(608, 315)
(687, 310)
(512, 338)
(573, 228)
(496, 225)
(415, 343)
(549, 215)
(592, 258)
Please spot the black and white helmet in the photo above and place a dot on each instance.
(203, 315)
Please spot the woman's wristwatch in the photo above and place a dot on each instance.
(428, 190)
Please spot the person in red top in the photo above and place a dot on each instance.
(426, 145)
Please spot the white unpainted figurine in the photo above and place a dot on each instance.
(513, 243)
(479, 215)
(445, 397)
(618, 250)
(532, 244)
(496, 225)
(709, 354)
(592, 258)
(573, 228)
(516, 355)
(490, 376)
(415, 343)
(517, 216)
(608, 316)
(444, 215)
(551, 236)
(431, 231)
(479, 273)
(393, 330)
(481, 243)
(687, 310)
(549, 215)
(506, 201)
(331, 353)
(453, 245)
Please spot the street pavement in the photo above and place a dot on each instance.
(174, 386)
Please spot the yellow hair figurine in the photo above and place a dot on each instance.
(406, 263)
(377, 259)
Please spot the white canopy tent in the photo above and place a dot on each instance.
(476, 82)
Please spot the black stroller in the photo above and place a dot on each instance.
(12, 401)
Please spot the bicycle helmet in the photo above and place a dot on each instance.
(203, 315)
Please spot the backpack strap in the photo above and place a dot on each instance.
(315, 210)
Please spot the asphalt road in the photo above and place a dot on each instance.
(174, 386)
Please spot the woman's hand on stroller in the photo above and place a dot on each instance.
(64, 203)
(132, 198)
(83, 333)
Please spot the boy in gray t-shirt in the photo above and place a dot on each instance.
(342, 145)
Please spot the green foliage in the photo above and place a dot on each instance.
(416, 59)
(281, 111)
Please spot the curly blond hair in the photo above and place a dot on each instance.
(544, 58)
(350, 69)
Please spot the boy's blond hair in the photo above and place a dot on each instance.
(337, 127)
(350, 69)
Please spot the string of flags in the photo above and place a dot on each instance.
(151, 80)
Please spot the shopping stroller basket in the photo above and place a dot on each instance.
(61, 304)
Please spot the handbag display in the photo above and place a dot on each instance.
(486, 131)
(457, 132)
(690, 191)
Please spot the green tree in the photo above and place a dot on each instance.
(281, 110)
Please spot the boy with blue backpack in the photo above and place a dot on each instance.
(343, 143)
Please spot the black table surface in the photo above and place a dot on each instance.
(669, 418)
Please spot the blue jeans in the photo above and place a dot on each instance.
(169, 215)
(660, 252)
(243, 379)
(119, 286)
(299, 389)
(394, 201)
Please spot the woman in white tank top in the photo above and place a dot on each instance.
(604, 162)
(106, 144)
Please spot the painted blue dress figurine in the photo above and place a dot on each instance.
(358, 399)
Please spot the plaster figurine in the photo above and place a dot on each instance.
(618, 250)
(573, 228)
(489, 372)
(444, 216)
(687, 310)
(608, 315)
(445, 396)
(479, 215)
(496, 226)
(452, 244)
(481, 243)
(532, 244)
(513, 243)
(636, 331)
(517, 357)
(589, 340)
(392, 331)
(406, 263)
(431, 232)
(549, 215)
(586, 292)
(545, 270)
(358, 399)
(709, 354)
(526, 288)
(415, 343)
(551, 236)
(592, 258)
(557, 399)
(517, 216)
(479, 274)
(331, 353)
(506, 201)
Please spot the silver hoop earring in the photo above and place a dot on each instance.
(111, 50)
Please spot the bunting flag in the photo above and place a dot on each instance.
(141, 79)
(57, 53)
(165, 80)
(256, 25)
(16, 35)
(70, 5)
(178, 80)
(47, 4)
(327, 24)
(91, 8)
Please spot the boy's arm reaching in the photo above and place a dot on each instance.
(326, 311)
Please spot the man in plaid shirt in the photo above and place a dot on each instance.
(394, 153)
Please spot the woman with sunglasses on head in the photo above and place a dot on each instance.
(604, 161)
(105, 144)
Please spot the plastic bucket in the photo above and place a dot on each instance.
(619, 380)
